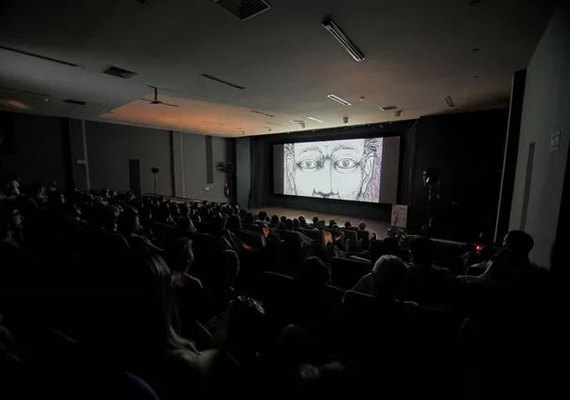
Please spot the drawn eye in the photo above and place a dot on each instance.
(345, 163)
(308, 164)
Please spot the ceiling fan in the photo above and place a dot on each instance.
(156, 101)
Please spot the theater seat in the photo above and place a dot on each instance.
(277, 291)
(346, 272)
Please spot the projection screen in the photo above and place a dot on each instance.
(354, 169)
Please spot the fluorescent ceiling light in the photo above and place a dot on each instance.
(344, 41)
(334, 97)
(315, 119)
(388, 108)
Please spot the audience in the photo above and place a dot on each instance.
(167, 291)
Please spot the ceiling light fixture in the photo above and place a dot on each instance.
(344, 41)
(320, 121)
(449, 101)
(388, 108)
(334, 97)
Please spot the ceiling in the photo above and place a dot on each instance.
(417, 52)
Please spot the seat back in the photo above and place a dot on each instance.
(346, 272)
(277, 293)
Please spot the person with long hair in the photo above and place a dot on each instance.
(139, 325)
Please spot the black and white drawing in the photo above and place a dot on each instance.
(335, 169)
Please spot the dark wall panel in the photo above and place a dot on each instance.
(466, 150)
(35, 148)
(110, 147)
(243, 171)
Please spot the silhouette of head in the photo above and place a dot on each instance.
(389, 276)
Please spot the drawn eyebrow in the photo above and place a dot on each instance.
(312, 148)
(343, 147)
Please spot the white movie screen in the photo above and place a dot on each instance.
(353, 169)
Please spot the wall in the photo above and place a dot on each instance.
(34, 148)
(195, 175)
(109, 148)
(95, 155)
(537, 195)
(467, 150)
(243, 171)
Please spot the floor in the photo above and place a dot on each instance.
(378, 227)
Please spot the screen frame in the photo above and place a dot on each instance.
(341, 137)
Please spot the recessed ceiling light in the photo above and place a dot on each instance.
(339, 100)
(389, 108)
(315, 119)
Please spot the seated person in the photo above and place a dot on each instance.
(187, 290)
(427, 282)
(387, 278)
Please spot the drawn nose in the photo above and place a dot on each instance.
(322, 186)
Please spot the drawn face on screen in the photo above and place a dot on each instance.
(340, 169)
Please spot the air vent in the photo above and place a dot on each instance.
(388, 108)
(244, 9)
(27, 53)
(219, 80)
(119, 72)
(262, 113)
(76, 102)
